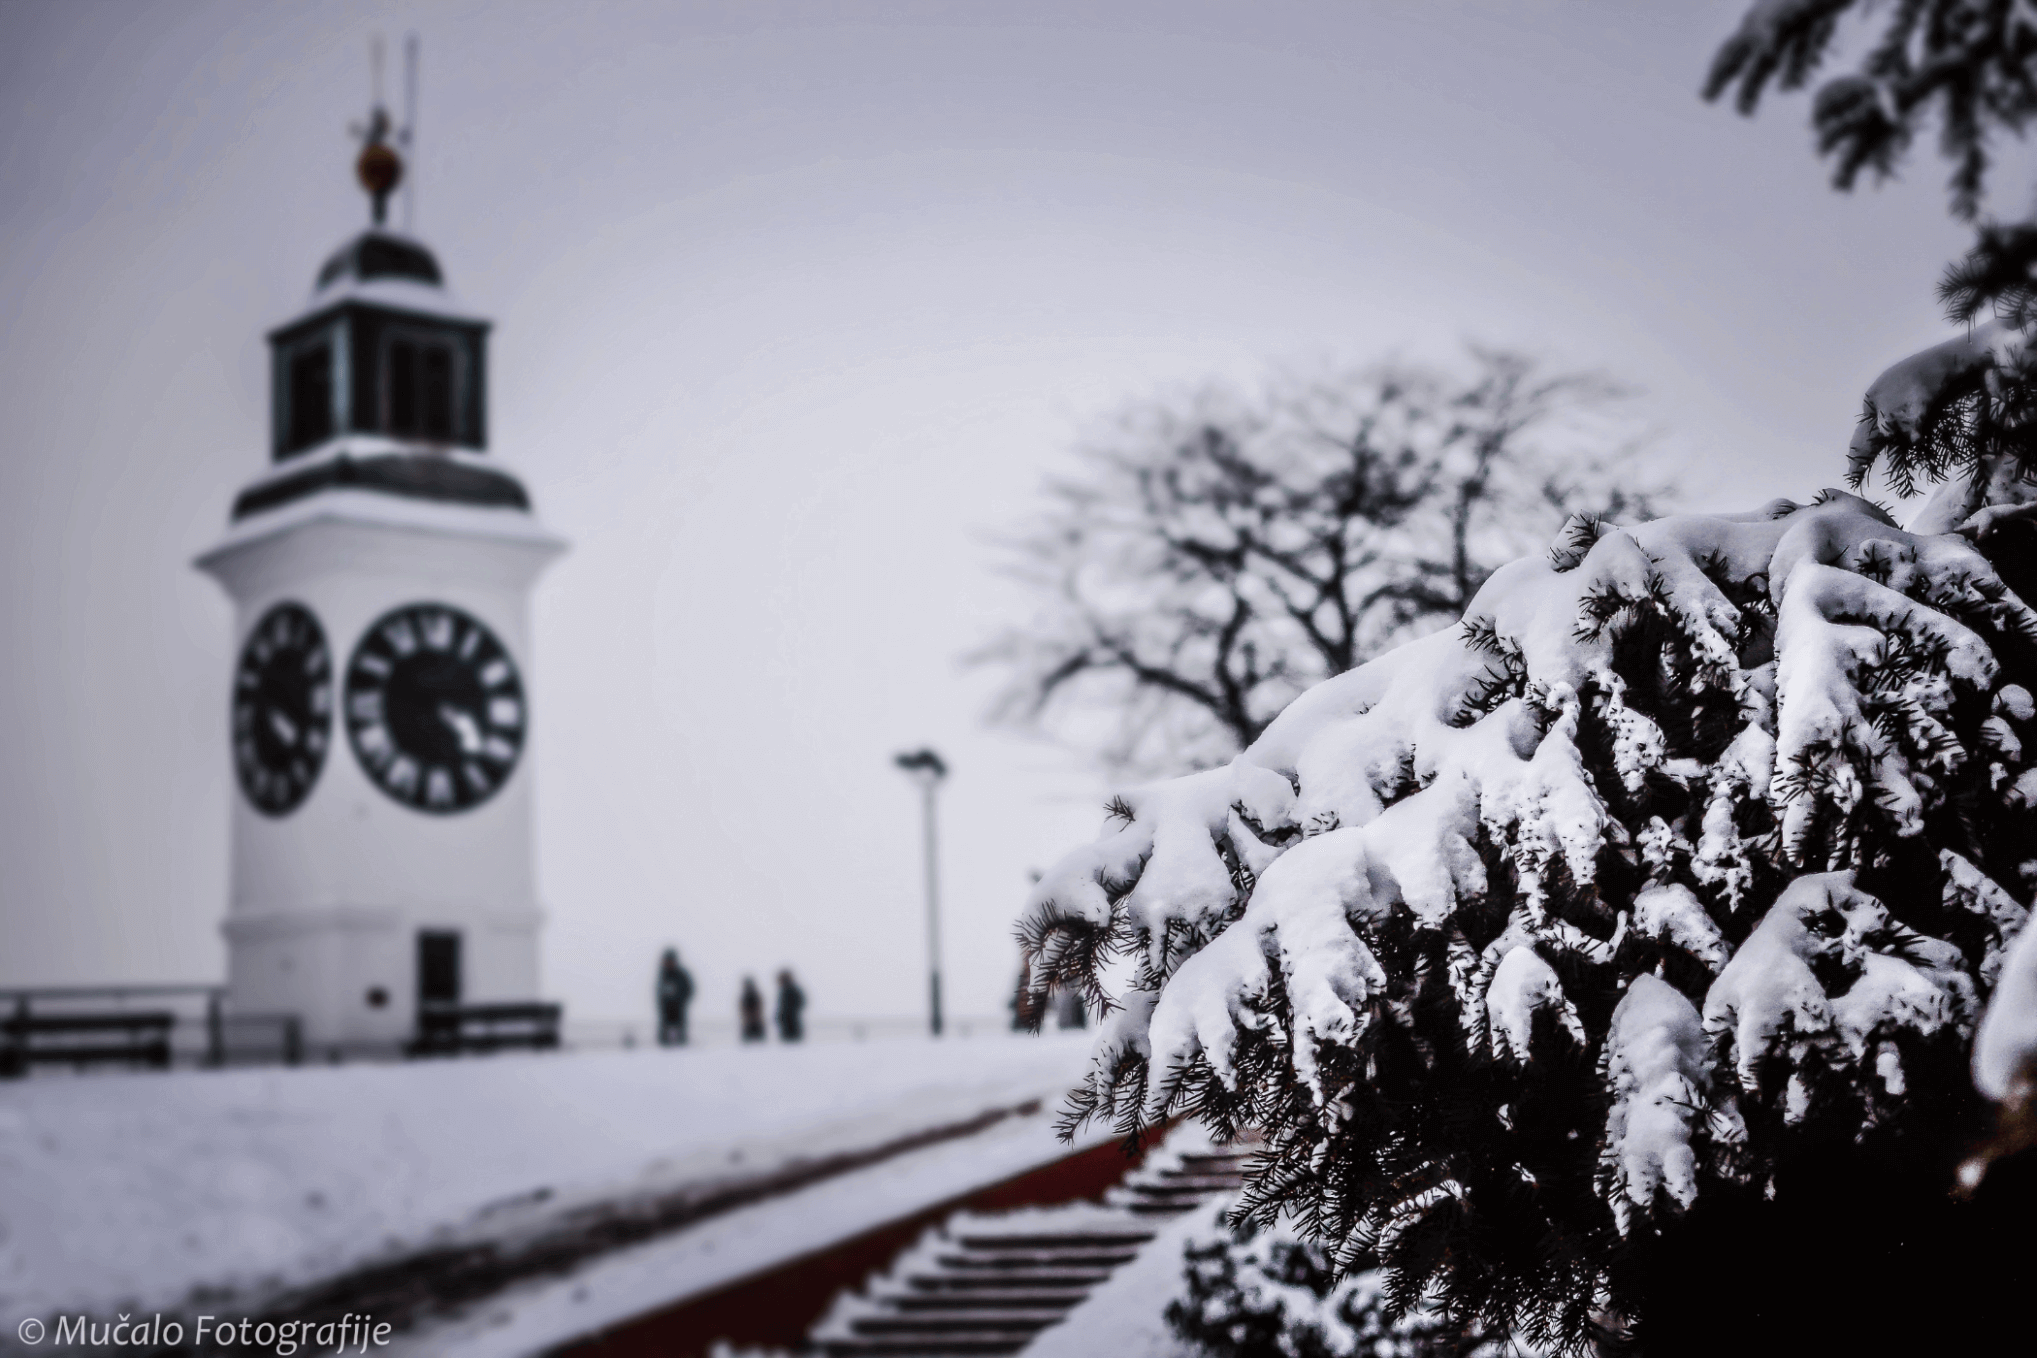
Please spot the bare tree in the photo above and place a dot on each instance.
(1215, 556)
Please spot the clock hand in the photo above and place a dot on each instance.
(285, 729)
(464, 726)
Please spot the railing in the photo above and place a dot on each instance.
(206, 1033)
(190, 1022)
(595, 1034)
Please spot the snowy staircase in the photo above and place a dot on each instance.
(987, 1283)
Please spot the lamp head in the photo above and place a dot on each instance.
(924, 765)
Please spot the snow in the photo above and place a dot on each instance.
(1889, 995)
(350, 505)
(1768, 990)
(1522, 984)
(536, 1317)
(2005, 1048)
(1674, 913)
(1902, 404)
(395, 291)
(1125, 1316)
(1967, 887)
(137, 1189)
(1840, 665)
(1902, 399)
(1657, 1069)
(398, 294)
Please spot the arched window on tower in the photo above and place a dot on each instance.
(310, 395)
(421, 386)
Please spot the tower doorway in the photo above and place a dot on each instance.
(438, 967)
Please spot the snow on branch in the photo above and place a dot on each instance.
(1657, 1068)
(1713, 822)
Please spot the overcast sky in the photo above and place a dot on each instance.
(795, 306)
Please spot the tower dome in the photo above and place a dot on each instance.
(376, 253)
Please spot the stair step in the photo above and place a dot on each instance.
(994, 1282)
(1202, 1189)
(996, 1301)
(1006, 1263)
(912, 1348)
(1107, 1257)
(1076, 1240)
(980, 1290)
(968, 1327)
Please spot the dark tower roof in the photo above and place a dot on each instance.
(378, 254)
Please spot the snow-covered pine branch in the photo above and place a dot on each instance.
(1964, 412)
(1700, 839)
(1250, 1293)
(1961, 64)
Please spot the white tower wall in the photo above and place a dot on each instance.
(327, 900)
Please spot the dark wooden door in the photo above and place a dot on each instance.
(438, 967)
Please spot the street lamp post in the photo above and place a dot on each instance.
(927, 770)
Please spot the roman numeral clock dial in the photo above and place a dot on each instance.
(434, 708)
(282, 709)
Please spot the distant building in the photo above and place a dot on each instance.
(380, 570)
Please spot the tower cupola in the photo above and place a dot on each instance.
(381, 382)
(381, 349)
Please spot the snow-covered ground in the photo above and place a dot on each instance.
(1125, 1316)
(138, 1190)
(535, 1317)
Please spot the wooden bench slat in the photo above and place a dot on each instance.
(79, 1023)
(147, 1038)
(445, 1030)
(154, 1053)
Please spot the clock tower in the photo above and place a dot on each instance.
(380, 569)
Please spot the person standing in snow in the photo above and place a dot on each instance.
(791, 1013)
(751, 1008)
(675, 992)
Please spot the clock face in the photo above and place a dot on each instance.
(282, 709)
(434, 708)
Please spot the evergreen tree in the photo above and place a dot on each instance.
(1607, 969)
(1611, 960)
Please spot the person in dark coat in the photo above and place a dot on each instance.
(751, 1008)
(675, 992)
(791, 1008)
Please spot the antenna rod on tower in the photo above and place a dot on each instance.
(409, 133)
(378, 168)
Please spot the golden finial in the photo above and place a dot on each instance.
(378, 166)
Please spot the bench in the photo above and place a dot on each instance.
(450, 1029)
(133, 1036)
